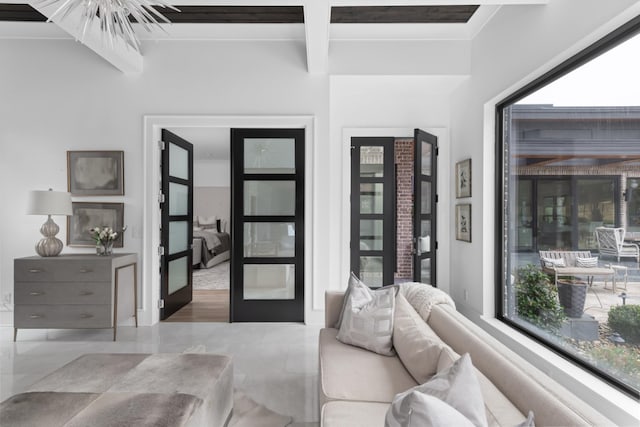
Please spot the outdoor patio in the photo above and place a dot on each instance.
(599, 299)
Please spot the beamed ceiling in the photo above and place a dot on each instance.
(316, 21)
(283, 14)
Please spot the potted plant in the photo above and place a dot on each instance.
(537, 298)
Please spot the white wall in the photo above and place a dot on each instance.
(520, 44)
(386, 106)
(58, 96)
(211, 173)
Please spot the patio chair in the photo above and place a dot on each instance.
(611, 242)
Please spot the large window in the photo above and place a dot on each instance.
(569, 165)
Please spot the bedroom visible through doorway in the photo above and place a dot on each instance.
(211, 225)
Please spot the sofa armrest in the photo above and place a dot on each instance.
(332, 307)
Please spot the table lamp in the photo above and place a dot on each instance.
(49, 203)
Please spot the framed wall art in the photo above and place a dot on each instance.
(463, 179)
(87, 215)
(95, 173)
(463, 222)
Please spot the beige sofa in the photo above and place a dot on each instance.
(357, 386)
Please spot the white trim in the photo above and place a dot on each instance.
(444, 180)
(149, 314)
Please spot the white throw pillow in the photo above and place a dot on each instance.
(553, 262)
(587, 262)
(207, 221)
(457, 386)
(367, 318)
(417, 345)
(421, 410)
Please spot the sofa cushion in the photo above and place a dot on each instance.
(352, 373)
(457, 386)
(367, 319)
(340, 413)
(418, 347)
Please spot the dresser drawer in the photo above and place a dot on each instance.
(62, 293)
(72, 270)
(62, 316)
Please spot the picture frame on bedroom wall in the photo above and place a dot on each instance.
(95, 173)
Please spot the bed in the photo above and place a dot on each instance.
(210, 247)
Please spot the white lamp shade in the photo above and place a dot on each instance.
(49, 203)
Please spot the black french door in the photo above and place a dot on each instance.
(267, 205)
(373, 232)
(425, 199)
(176, 235)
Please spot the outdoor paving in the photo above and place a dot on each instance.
(599, 299)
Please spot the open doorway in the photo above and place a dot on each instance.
(211, 242)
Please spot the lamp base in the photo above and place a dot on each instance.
(50, 245)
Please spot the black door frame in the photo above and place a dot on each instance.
(421, 136)
(173, 302)
(388, 252)
(241, 310)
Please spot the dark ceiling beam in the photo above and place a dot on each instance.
(20, 13)
(235, 14)
(401, 14)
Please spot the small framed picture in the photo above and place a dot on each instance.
(463, 222)
(95, 173)
(463, 179)
(87, 215)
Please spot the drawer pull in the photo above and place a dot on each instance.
(35, 294)
(86, 270)
(35, 270)
(86, 293)
(36, 316)
(86, 316)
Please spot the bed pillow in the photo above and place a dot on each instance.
(367, 318)
(553, 262)
(207, 222)
(590, 262)
(457, 386)
(417, 345)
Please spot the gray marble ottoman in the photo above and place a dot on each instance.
(129, 389)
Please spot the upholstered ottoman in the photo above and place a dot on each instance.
(129, 389)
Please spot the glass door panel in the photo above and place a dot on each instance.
(269, 155)
(177, 223)
(554, 214)
(595, 207)
(373, 256)
(425, 199)
(268, 209)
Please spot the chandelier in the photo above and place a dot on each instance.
(114, 16)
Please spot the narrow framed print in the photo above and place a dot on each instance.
(95, 173)
(87, 215)
(463, 222)
(463, 179)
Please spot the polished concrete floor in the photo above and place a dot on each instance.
(276, 364)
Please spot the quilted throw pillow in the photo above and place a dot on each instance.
(553, 262)
(367, 318)
(591, 262)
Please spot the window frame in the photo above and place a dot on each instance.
(611, 40)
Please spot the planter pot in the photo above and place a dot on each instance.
(572, 297)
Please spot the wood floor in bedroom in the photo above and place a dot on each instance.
(206, 306)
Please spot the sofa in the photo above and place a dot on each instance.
(357, 386)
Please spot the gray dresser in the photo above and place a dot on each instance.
(75, 291)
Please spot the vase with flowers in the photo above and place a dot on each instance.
(104, 238)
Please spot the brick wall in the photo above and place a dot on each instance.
(404, 208)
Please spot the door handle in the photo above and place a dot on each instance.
(35, 270)
(86, 316)
(86, 293)
(36, 316)
(35, 294)
(85, 270)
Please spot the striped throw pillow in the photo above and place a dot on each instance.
(553, 262)
(587, 262)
